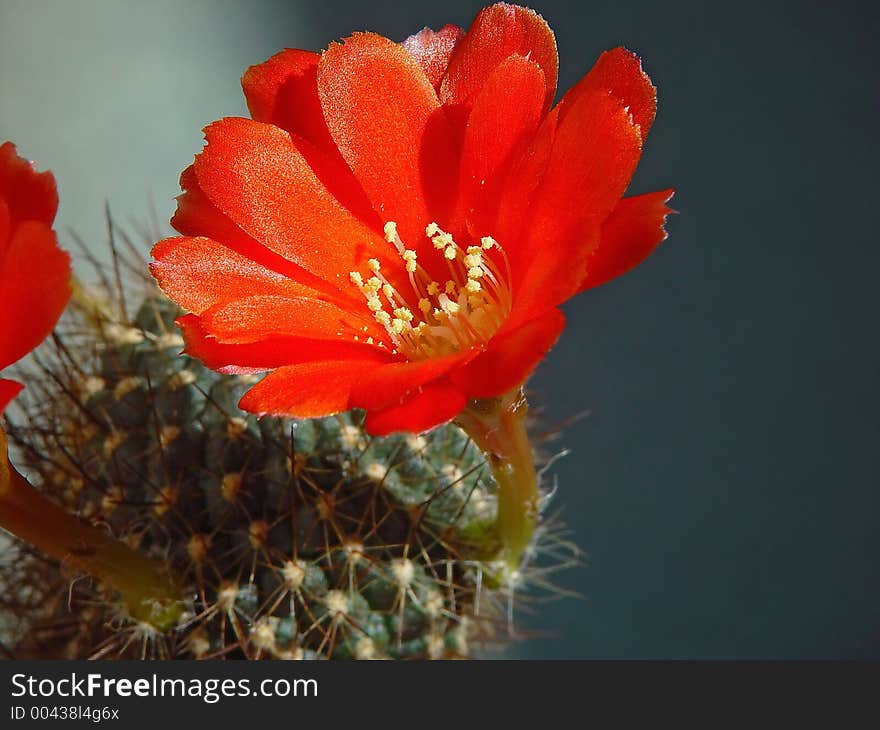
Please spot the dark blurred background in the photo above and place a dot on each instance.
(725, 484)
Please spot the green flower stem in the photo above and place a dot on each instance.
(498, 427)
(149, 593)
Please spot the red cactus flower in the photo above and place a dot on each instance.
(396, 226)
(34, 271)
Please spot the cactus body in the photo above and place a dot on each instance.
(290, 539)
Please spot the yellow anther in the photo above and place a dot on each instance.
(473, 286)
(388, 290)
(374, 303)
(383, 318)
(390, 231)
(374, 265)
(450, 253)
(433, 288)
(373, 284)
(425, 305)
(410, 258)
(475, 272)
(398, 325)
(488, 242)
(451, 307)
(473, 260)
(432, 229)
(356, 278)
(403, 313)
(370, 341)
(450, 287)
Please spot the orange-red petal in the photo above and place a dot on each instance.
(266, 316)
(306, 390)
(632, 231)
(284, 91)
(433, 49)
(34, 289)
(29, 195)
(8, 390)
(595, 151)
(199, 273)
(384, 115)
(503, 122)
(273, 352)
(498, 32)
(393, 381)
(198, 217)
(430, 406)
(619, 72)
(510, 358)
(256, 175)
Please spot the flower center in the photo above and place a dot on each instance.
(439, 318)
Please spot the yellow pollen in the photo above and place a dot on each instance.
(374, 303)
(450, 316)
(390, 231)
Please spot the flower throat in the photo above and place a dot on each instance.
(463, 312)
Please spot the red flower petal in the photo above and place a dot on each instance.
(384, 116)
(198, 217)
(595, 151)
(393, 381)
(255, 174)
(436, 403)
(257, 357)
(504, 119)
(498, 32)
(510, 358)
(8, 390)
(263, 317)
(284, 91)
(433, 49)
(198, 273)
(30, 195)
(620, 72)
(632, 231)
(34, 289)
(307, 390)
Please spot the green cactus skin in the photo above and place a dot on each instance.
(293, 538)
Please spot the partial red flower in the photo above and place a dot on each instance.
(34, 271)
(396, 226)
